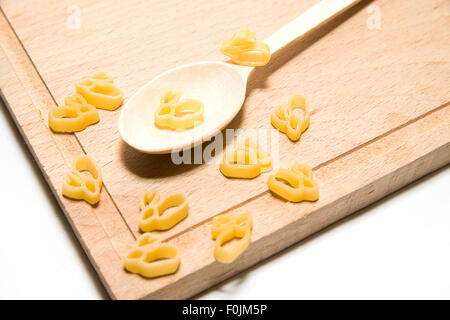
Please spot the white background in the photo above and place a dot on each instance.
(397, 248)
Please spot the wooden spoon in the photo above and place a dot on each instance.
(220, 86)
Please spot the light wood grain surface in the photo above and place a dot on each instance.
(379, 100)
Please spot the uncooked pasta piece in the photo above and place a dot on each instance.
(100, 91)
(152, 258)
(244, 49)
(84, 181)
(75, 115)
(153, 211)
(227, 227)
(289, 122)
(176, 114)
(246, 161)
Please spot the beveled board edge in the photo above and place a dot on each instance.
(101, 231)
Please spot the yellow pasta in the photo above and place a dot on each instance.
(103, 76)
(289, 122)
(153, 215)
(84, 181)
(175, 114)
(99, 90)
(152, 258)
(75, 115)
(295, 185)
(252, 146)
(227, 227)
(244, 49)
(247, 161)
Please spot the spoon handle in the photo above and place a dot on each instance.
(311, 19)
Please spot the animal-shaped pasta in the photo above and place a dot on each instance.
(244, 49)
(84, 181)
(153, 207)
(289, 122)
(75, 115)
(175, 114)
(295, 185)
(227, 227)
(246, 161)
(152, 258)
(99, 90)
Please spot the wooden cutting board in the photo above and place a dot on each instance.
(379, 98)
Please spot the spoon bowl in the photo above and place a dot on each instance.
(220, 86)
